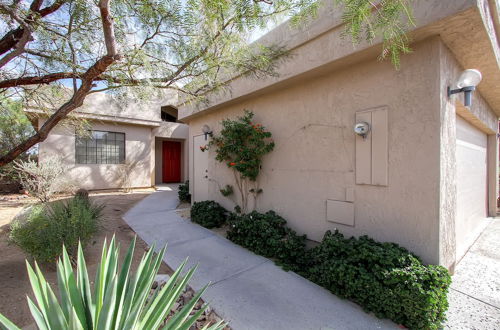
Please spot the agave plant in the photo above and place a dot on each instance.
(120, 300)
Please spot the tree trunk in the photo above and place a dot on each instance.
(78, 97)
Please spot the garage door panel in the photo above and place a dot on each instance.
(472, 194)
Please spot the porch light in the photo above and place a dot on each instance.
(467, 83)
(207, 131)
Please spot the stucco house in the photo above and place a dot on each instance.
(425, 175)
(131, 144)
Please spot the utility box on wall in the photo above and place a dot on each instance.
(340, 212)
(372, 149)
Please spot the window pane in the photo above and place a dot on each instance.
(99, 135)
(100, 148)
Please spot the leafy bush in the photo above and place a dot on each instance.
(120, 300)
(383, 278)
(267, 235)
(209, 214)
(48, 227)
(184, 195)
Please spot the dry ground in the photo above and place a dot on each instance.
(13, 277)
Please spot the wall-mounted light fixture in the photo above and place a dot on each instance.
(467, 83)
(207, 131)
(362, 129)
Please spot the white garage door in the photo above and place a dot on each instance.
(472, 193)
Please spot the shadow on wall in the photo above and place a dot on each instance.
(171, 130)
(133, 173)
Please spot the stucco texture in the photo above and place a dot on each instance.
(314, 160)
(138, 157)
(456, 236)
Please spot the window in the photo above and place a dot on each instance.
(100, 148)
(169, 114)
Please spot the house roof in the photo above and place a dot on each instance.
(468, 27)
(34, 113)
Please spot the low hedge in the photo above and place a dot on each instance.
(267, 235)
(383, 278)
(183, 193)
(209, 214)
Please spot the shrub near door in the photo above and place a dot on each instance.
(267, 235)
(209, 214)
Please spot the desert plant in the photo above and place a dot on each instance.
(48, 227)
(184, 195)
(241, 144)
(82, 193)
(43, 180)
(266, 234)
(209, 214)
(120, 300)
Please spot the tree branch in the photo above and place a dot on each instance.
(78, 97)
(10, 39)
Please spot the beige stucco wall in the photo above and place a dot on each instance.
(138, 153)
(130, 108)
(481, 116)
(312, 123)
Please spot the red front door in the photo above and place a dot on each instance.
(171, 161)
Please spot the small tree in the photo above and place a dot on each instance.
(43, 180)
(241, 145)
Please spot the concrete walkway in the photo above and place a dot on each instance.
(474, 297)
(248, 291)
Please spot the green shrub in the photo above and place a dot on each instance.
(383, 278)
(119, 300)
(209, 214)
(184, 195)
(47, 228)
(267, 235)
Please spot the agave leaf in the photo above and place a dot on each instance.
(63, 289)
(189, 322)
(217, 326)
(37, 315)
(72, 288)
(179, 319)
(54, 311)
(159, 308)
(99, 282)
(122, 285)
(5, 323)
(36, 286)
(143, 280)
(119, 301)
(106, 315)
(84, 287)
(74, 321)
